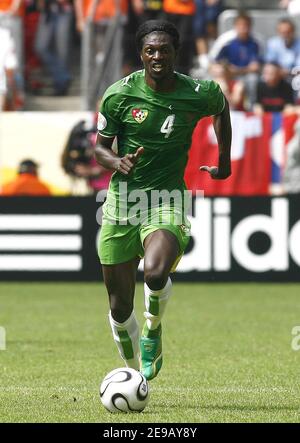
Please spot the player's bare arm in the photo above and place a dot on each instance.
(106, 157)
(222, 127)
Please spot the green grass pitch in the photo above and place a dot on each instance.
(227, 354)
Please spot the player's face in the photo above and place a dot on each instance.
(286, 32)
(158, 55)
(243, 28)
(271, 75)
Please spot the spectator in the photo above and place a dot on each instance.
(78, 156)
(138, 12)
(11, 17)
(98, 11)
(8, 64)
(284, 48)
(27, 182)
(242, 56)
(148, 9)
(225, 38)
(233, 90)
(205, 28)
(10, 7)
(131, 59)
(32, 62)
(98, 15)
(274, 94)
(53, 41)
(96, 175)
(181, 14)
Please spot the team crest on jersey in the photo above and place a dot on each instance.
(139, 115)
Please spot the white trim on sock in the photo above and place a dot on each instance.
(165, 290)
(132, 328)
(163, 295)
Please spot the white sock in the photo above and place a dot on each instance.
(126, 337)
(156, 302)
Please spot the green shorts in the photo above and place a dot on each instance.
(120, 243)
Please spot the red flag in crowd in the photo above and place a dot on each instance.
(251, 161)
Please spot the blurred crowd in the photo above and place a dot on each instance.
(255, 74)
(37, 38)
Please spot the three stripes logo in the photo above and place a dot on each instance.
(40, 243)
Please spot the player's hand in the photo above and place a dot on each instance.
(215, 172)
(126, 164)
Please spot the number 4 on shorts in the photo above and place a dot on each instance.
(167, 126)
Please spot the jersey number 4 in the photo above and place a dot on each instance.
(168, 125)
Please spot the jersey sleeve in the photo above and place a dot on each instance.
(108, 123)
(215, 98)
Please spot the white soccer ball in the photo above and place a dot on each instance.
(124, 390)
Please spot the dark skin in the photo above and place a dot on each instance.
(161, 247)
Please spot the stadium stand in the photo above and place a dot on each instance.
(264, 21)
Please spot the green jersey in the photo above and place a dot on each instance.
(163, 123)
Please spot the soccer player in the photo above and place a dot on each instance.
(153, 113)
